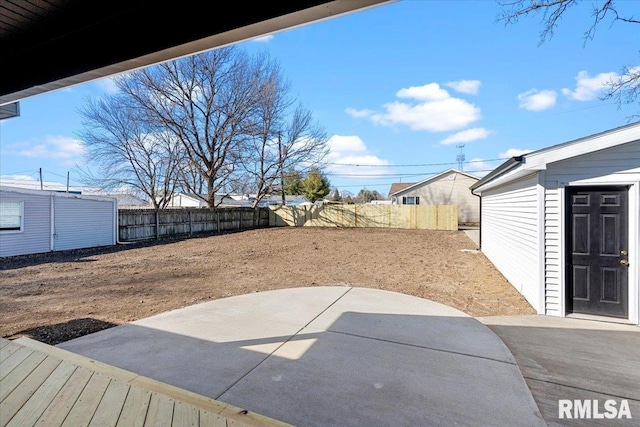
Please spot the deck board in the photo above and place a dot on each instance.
(160, 411)
(15, 359)
(209, 419)
(47, 386)
(134, 411)
(7, 350)
(17, 375)
(42, 397)
(23, 392)
(185, 415)
(88, 401)
(111, 405)
(61, 405)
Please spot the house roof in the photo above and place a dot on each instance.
(399, 186)
(517, 167)
(57, 193)
(429, 180)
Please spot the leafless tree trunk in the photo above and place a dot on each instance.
(128, 153)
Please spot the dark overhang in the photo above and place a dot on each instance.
(50, 44)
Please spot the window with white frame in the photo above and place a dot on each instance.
(411, 200)
(11, 216)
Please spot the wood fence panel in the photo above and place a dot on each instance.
(423, 217)
(146, 224)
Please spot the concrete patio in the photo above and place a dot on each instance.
(328, 356)
(575, 359)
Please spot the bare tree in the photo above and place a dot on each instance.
(128, 153)
(625, 88)
(282, 134)
(205, 102)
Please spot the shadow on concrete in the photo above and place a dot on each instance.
(334, 367)
(563, 358)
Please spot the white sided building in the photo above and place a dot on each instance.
(562, 224)
(35, 221)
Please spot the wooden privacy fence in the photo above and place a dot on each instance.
(421, 217)
(145, 224)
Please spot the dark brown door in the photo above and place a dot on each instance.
(597, 250)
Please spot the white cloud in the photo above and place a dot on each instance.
(467, 135)
(535, 100)
(63, 148)
(108, 85)
(428, 92)
(351, 150)
(359, 113)
(433, 110)
(264, 39)
(589, 88)
(513, 152)
(469, 87)
(478, 167)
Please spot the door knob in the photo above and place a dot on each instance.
(624, 262)
(623, 253)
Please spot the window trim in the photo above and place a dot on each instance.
(21, 229)
(416, 200)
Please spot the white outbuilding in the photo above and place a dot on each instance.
(562, 224)
(35, 221)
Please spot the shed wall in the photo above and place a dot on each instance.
(510, 234)
(83, 223)
(35, 236)
(620, 164)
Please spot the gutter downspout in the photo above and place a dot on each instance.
(52, 243)
(479, 196)
(116, 226)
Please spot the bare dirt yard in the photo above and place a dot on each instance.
(59, 296)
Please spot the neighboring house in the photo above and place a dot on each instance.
(129, 201)
(191, 200)
(562, 224)
(450, 187)
(276, 200)
(35, 221)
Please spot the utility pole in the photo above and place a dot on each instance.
(460, 157)
(41, 179)
(281, 160)
(67, 181)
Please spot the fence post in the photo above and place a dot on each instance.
(157, 225)
(217, 221)
(190, 223)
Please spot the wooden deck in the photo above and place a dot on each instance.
(47, 386)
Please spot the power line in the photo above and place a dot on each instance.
(416, 165)
(391, 175)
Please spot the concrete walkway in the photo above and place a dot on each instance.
(329, 356)
(574, 359)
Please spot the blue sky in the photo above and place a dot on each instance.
(397, 85)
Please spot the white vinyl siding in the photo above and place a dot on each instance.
(36, 225)
(618, 164)
(510, 235)
(83, 223)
